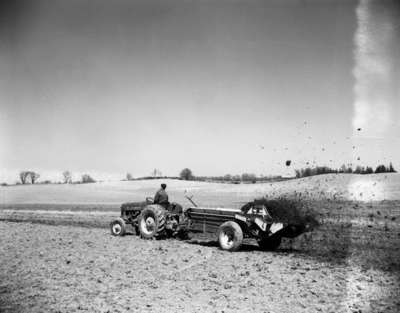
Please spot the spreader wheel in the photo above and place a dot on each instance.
(230, 236)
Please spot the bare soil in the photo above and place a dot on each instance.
(349, 264)
(57, 253)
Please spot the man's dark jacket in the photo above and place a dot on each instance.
(161, 197)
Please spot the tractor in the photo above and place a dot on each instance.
(254, 220)
(150, 220)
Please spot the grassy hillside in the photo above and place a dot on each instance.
(332, 186)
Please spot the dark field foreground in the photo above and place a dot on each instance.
(350, 263)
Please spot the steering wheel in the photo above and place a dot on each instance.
(149, 200)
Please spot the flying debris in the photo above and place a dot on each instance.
(359, 129)
(288, 162)
(262, 147)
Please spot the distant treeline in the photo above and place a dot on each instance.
(31, 177)
(232, 179)
(237, 179)
(319, 170)
(153, 177)
(187, 174)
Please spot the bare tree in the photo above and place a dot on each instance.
(343, 169)
(156, 173)
(34, 177)
(67, 176)
(129, 176)
(23, 177)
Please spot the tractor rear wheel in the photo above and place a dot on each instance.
(118, 227)
(270, 243)
(152, 221)
(230, 236)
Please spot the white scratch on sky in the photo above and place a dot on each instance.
(376, 35)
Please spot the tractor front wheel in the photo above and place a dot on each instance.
(118, 227)
(230, 236)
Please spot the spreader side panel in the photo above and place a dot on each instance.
(209, 220)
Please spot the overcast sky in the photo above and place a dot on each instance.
(217, 86)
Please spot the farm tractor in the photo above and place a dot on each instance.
(231, 226)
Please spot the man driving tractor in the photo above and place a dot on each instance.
(161, 197)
